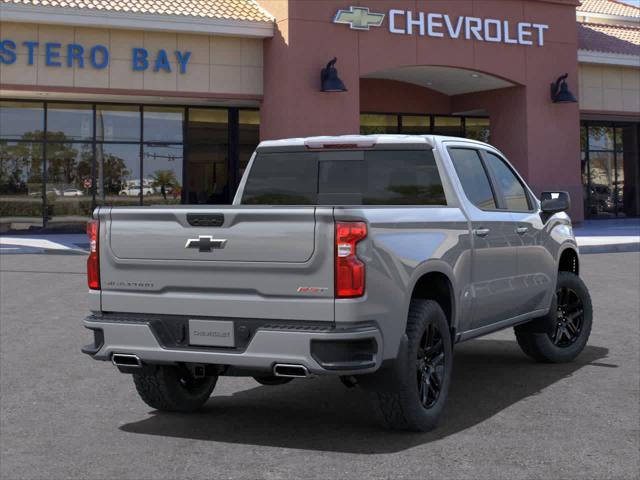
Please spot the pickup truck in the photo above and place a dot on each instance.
(367, 258)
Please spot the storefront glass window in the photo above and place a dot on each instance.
(371, 124)
(611, 169)
(118, 123)
(108, 154)
(69, 122)
(69, 169)
(416, 124)
(21, 120)
(248, 137)
(118, 174)
(207, 176)
(21, 186)
(628, 169)
(162, 174)
(602, 181)
(477, 129)
(450, 126)
(163, 124)
(601, 137)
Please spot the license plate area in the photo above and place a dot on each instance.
(211, 333)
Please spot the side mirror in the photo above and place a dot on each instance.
(555, 202)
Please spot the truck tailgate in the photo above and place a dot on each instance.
(232, 261)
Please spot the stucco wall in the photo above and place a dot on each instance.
(378, 95)
(221, 65)
(541, 138)
(609, 88)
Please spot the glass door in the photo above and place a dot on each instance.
(610, 169)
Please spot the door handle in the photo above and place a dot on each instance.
(522, 230)
(481, 232)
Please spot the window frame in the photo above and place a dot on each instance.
(502, 203)
(486, 172)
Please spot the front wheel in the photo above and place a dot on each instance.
(561, 335)
(417, 400)
(174, 388)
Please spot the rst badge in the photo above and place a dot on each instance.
(312, 290)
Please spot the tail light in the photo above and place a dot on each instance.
(93, 262)
(349, 269)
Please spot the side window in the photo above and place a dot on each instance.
(513, 192)
(473, 177)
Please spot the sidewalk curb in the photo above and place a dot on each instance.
(619, 248)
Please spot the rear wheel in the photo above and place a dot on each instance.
(173, 388)
(419, 395)
(561, 335)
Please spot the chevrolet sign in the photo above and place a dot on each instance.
(359, 18)
(442, 25)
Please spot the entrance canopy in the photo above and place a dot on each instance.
(446, 80)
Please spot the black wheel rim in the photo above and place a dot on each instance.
(430, 366)
(570, 318)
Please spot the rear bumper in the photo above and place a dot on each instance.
(326, 350)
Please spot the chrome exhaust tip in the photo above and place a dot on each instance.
(126, 360)
(290, 371)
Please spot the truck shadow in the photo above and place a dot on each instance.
(321, 414)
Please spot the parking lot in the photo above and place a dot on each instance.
(64, 415)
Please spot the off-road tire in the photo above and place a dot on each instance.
(172, 389)
(401, 408)
(537, 338)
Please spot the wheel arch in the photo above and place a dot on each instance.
(435, 282)
(569, 260)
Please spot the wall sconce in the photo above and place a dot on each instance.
(560, 92)
(329, 80)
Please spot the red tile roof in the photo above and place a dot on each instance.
(609, 7)
(609, 38)
(223, 9)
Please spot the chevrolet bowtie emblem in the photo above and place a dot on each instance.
(359, 18)
(205, 243)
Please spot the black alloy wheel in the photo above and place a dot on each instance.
(570, 318)
(430, 366)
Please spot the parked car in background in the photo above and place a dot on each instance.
(134, 190)
(50, 191)
(362, 257)
(72, 192)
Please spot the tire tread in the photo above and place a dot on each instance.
(398, 409)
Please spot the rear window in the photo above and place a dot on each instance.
(407, 177)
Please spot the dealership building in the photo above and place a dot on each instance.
(129, 102)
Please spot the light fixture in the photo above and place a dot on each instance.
(560, 92)
(329, 80)
(475, 75)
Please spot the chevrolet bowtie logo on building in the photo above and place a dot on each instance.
(205, 243)
(359, 18)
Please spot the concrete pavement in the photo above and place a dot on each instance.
(65, 416)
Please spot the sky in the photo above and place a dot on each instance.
(635, 3)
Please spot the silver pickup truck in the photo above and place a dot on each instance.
(362, 257)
